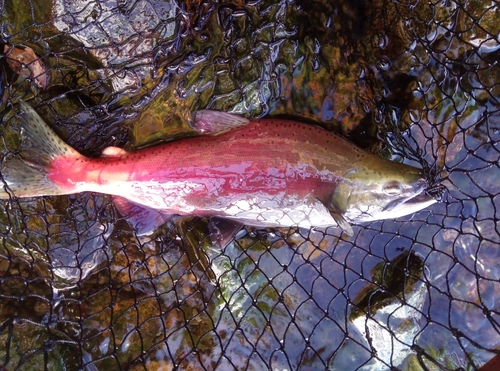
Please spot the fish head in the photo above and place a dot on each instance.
(380, 189)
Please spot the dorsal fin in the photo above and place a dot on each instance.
(216, 122)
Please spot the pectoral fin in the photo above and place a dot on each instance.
(324, 213)
(338, 206)
(343, 224)
(142, 219)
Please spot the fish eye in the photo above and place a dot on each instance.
(392, 188)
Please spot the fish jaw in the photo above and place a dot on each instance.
(411, 206)
(403, 208)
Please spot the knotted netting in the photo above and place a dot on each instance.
(413, 81)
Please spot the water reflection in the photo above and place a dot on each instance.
(80, 291)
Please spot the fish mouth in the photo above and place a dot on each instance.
(413, 204)
(425, 194)
(409, 205)
(419, 199)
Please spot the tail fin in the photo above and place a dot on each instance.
(26, 175)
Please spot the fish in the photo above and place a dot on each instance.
(262, 173)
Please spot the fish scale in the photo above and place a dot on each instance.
(267, 172)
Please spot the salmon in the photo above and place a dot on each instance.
(263, 173)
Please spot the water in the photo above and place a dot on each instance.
(80, 290)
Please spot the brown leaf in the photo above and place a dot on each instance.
(27, 64)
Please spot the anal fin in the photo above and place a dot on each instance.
(143, 220)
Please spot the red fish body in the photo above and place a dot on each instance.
(272, 163)
(265, 173)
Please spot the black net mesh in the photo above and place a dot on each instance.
(412, 80)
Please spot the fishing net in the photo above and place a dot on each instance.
(410, 80)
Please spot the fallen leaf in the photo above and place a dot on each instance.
(27, 64)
